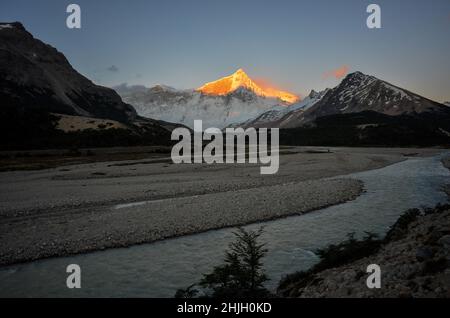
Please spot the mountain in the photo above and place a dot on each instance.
(446, 103)
(359, 92)
(356, 93)
(365, 111)
(240, 79)
(361, 111)
(232, 99)
(39, 87)
(34, 74)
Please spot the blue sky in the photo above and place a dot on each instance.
(184, 43)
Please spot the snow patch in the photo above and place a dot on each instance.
(6, 26)
(396, 90)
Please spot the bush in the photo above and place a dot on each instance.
(400, 228)
(333, 256)
(347, 251)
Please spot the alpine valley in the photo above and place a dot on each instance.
(232, 184)
(46, 103)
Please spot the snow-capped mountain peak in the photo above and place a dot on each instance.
(246, 105)
(240, 79)
(359, 92)
(356, 93)
(231, 99)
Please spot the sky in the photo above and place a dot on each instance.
(296, 45)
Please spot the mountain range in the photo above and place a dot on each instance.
(232, 99)
(236, 100)
(356, 93)
(45, 102)
(361, 110)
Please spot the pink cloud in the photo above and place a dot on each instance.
(337, 73)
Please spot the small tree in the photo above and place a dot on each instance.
(242, 275)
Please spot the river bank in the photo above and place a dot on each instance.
(414, 259)
(27, 239)
(160, 268)
(83, 208)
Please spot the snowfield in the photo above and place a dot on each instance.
(185, 106)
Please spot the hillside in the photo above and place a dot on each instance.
(414, 261)
(38, 85)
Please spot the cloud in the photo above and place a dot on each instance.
(337, 73)
(113, 68)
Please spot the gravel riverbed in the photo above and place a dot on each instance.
(88, 207)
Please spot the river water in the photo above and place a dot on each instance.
(159, 269)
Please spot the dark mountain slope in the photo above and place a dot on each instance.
(359, 92)
(372, 129)
(37, 83)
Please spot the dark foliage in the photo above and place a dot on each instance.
(347, 251)
(332, 256)
(400, 228)
(242, 274)
(33, 129)
(372, 129)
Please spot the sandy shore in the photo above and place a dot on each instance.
(89, 207)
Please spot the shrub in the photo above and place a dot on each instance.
(400, 228)
(332, 256)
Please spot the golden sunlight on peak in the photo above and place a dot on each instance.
(229, 84)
